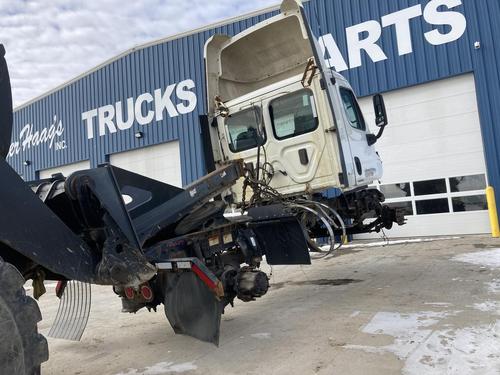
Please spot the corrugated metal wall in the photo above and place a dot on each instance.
(160, 65)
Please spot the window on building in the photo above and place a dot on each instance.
(470, 203)
(462, 192)
(432, 206)
(430, 187)
(396, 190)
(293, 114)
(242, 128)
(352, 109)
(405, 207)
(468, 183)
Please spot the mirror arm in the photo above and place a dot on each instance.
(380, 132)
(372, 138)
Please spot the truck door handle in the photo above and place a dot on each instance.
(359, 169)
(304, 158)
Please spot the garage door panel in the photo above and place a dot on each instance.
(442, 129)
(434, 111)
(435, 90)
(66, 170)
(448, 224)
(160, 162)
(442, 148)
(433, 134)
(423, 170)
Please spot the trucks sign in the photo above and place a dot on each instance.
(143, 109)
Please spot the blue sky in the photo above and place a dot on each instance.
(51, 41)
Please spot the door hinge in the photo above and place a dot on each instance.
(322, 84)
(331, 129)
(341, 178)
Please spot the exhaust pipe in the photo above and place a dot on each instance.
(5, 106)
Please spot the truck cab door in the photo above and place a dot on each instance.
(361, 164)
(365, 160)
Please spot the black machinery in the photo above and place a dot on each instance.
(166, 245)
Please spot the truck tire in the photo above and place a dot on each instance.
(22, 348)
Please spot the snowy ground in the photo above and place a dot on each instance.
(429, 306)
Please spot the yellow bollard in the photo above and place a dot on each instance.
(345, 240)
(492, 209)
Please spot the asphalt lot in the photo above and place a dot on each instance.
(422, 307)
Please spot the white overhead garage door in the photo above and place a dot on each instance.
(160, 162)
(66, 170)
(433, 158)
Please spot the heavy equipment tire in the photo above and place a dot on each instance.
(22, 348)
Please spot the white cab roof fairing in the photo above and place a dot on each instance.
(269, 52)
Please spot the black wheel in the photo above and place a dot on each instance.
(22, 348)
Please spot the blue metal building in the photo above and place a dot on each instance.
(410, 43)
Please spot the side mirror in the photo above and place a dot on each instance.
(380, 119)
(380, 112)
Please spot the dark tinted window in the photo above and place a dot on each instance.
(468, 183)
(396, 190)
(293, 114)
(242, 128)
(430, 187)
(352, 109)
(405, 207)
(472, 203)
(433, 206)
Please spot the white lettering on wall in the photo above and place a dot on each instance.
(456, 20)
(127, 124)
(355, 43)
(401, 22)
(335, 58)
(188, 97)
(144, 109)
(366, 36)
(143, 119)
(164, 101)
(29, 138)
(106, 115)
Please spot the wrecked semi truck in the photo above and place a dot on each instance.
(296, 123)
(281, 129)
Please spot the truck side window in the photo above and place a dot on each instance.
(242, 128)
(352, 109)
(293, 114)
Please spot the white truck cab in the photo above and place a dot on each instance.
(271, 94)
(274, 103)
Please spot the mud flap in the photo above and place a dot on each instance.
(73, 312)
(191, 307)
(280, 234)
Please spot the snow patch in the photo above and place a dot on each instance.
(406, 328)
(162, 368)
(486, 258)
(261, 336)
(493, 286)
(354, 314)
(392, 242)
(488, 306)
(466, 351)
(445, 304)
(470, 350)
